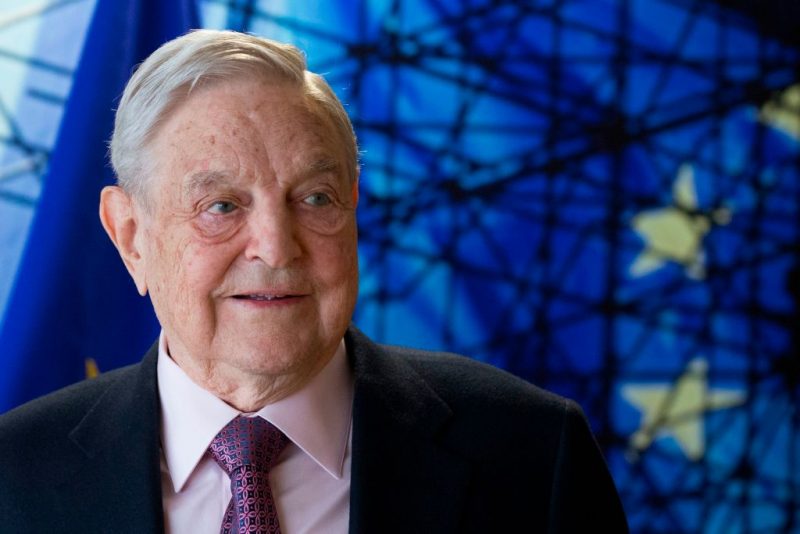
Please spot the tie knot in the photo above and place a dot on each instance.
(247, 441)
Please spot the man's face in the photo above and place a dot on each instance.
(249, 245)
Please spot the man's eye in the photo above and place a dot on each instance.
(221, 207)
(317, 199)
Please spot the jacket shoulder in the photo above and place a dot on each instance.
(536, 445)
(57, 413)
(517, 415)
(460, 380)
(95, 446)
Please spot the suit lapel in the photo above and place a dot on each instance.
(119, 439)
(403, 476)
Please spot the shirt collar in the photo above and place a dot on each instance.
(316, 418)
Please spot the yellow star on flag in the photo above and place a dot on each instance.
(677, 410)
(92, 371)
(675, 233)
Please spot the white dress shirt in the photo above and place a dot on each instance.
(311, 480)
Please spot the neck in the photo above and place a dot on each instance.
(246, 390)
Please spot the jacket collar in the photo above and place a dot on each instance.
(401, 465)
(119, 437)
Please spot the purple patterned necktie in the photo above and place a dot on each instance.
(246, 449)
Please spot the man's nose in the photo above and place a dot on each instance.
(272, 236)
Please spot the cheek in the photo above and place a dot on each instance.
(203, 269)
(337, 261)
(184, 271)
(165, 274)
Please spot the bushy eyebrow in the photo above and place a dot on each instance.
(323, 165)
(199, 182)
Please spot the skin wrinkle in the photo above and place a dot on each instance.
(267, 157)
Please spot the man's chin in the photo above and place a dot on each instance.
(267, 359)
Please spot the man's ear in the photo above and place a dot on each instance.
(121, 222)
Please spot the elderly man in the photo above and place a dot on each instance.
(260, 408)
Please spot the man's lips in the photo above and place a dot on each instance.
(267, 296)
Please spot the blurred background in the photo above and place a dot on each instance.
(600, 196)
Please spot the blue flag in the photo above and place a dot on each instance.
(73, 305)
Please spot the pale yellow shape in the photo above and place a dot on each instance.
(675, 233)
(671, 234)
(677, 410)
(783, 112)
(683, 190)
(91, 368)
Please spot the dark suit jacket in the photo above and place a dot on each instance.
(440, 444)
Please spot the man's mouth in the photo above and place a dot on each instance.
(262, 297)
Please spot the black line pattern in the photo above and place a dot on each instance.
(599, 196)
(515, 155)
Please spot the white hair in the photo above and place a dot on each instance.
(166, 78)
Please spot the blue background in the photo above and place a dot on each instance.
(512, 154)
